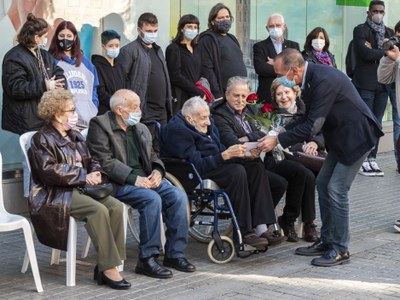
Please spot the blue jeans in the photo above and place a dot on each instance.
(149, 202)
(376, 101)
(396, 120)
(333, 184)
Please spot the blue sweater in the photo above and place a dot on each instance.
(181, 140)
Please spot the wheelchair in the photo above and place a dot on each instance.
(212, 217)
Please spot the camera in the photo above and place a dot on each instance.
(392, 41)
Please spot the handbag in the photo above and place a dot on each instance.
(312, 162)
(97, 191)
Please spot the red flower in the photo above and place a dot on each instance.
(268, 107)
(252, 97)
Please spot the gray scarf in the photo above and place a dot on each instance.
(380, 30)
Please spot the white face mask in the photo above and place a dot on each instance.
(318, 44)
(377, 18)
(149, 37)
(275, 32)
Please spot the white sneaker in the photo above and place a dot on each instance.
(366, 169)
(397, 222)
(375, 168)
(397, 227)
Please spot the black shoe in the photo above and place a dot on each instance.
(332, 258)
(180, 264)
(318, 248)
(103, 279)
(288, 230)
(151, 267)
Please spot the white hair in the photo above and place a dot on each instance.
(237, 80)
(192, 106)
(276, 15)
(120, 97)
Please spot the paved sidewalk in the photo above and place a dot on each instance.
(277, 274)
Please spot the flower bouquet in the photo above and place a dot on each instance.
(267, 119)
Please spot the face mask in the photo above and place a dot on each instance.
(377, 18)
(71, 123)
(43, 45)
(275, 32)
(133, 118)
(318, 44)
(223, 26)
(190, 34)
(283, 80)
(65, 44)
(291, 108)
(112, 53)
(149, 37)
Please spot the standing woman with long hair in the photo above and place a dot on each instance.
(316, 48)
(81, 74)
(184, 62)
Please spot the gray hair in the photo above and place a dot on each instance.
(237, 80)
(290, 57)
(192, 105)
(120, 97)
(276, 15)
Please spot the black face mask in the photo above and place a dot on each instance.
(223, 26)
(65, 44)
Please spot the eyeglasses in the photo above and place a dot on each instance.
(70, 110)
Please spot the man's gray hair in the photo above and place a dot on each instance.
(120, 97)
(237, 80)
(193, 105)
(276, 15)
(290, 57)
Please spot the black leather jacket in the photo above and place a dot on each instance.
(54, 175)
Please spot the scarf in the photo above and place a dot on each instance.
(380, 30)
(323, 58)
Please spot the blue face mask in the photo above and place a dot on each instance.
(133, 119)
(112, 53)
(149, 37)
(283, 80)
(190, 34)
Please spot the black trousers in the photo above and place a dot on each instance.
(248, 189)
(300, 193)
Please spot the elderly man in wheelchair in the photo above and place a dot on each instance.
(192, 136)
(124, 148)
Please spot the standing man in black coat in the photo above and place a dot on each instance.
(333, 107)
(368, 40)
(266, 50)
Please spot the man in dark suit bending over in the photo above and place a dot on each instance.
(265, 51)
(334, 107)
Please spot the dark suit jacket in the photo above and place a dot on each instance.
(266, 74)
(334, 106)
(367, 62)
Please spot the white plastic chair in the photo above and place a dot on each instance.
(25, 143)
(10, 222)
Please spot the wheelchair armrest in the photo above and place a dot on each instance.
(184, 171)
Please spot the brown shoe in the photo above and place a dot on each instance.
(252, 239)
(310, 232)
(273, 237)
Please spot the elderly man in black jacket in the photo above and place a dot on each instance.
(266, 50)
(123, 147)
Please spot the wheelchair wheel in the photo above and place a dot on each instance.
(202, 233)
(223, 255)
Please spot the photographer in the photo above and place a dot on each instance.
(389, 73)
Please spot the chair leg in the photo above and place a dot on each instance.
(300, 227)
(25, 264)
(71, 253)
(163, 238)
(55, 257)
(32, 255)
(125, 219)
(86, 248)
